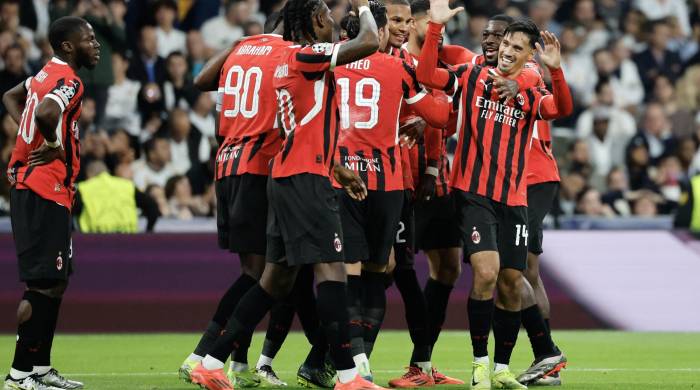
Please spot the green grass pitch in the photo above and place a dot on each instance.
(597, 360)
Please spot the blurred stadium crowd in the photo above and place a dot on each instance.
(633, 67)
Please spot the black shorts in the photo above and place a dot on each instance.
(405, 239)
(488, 225)
(369, 226)
(303, 222)
(42, 232)
(241, 218)
(436, 224)
(540, 198)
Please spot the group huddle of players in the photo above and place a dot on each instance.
(332, 172)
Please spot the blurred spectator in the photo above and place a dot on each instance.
(147, 66)
(122, 97)
(612, 12)
(577, 66)
(607, 129)
(88, 114)
(471, 37)
(542, 13)
(169, 38)
(687, 147)
(633, 31)
(645, 204)
(156, 168)
(202, 117)
(656, 133)
(616, 65)
(656, 9)
(182, 204)
(158, 194)
(617, 192)
(178, 90)
(595, 33)
(252, 27)
(14, 72)
(688, 89)
(9, 22)
(682, 121)
(189, 150)
(197, 52)
(657, 59)
(668, 180)
(220, 32)
(638, 164)
(580, 159)
(588, 203)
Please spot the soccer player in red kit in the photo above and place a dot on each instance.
(490, 163)
(371, 92)
(42, 170)
(303, 221)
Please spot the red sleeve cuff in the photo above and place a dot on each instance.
(557, 73)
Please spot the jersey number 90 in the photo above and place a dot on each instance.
(238, 85)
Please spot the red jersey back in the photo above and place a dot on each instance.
(371, 92)
(307, 109)
(247, 120)
(542, 166)
(54, 181)
(491, 157)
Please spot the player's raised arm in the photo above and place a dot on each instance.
(456, 55)
(428, 73)
(14, 99)
(367, 40)
(208, 77)
(560, 103)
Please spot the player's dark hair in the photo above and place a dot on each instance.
(273, 20)
(62, 29)
(420, 7)
(298, 22)
(527, 27)
(502, 18)
(351, 23)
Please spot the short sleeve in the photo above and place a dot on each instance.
(66, 93)
(28, 83)
(539, 94)
(319, 57)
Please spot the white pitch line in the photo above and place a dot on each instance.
(285, 372)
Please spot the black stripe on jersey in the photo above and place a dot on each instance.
(28, 172)
(335, 134)
(361, 160)
(257, 145)
(330, 84)
(524, 141)
(391, 151)
(402, 54)
(309, 76)
(343, 155)
(480, 132)
(237, 158)
(377, 156)
(467, 118)
(313, 58)
(412, 72)
(505, 188)
(68, 145)
(288, 145)
(495, 149)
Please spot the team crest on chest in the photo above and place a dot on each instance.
(520, 99)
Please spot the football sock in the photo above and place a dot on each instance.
(30, 333)
(437, 295)
(240, 354)
(426, 367)
(373, 307)
(250, 311)
(264, 361)
(239, 367)
(304, 301)
(332, 311)
(498, 367)
(482, 359)
(540, 338)
(546, 323)
(227, 304)
(281, 317)
(354, 299)
(195, 357)
(506, 325)
(480, 314)
(43, 356)
(212, 363)
(416, 313)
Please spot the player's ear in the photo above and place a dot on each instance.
(67, 46)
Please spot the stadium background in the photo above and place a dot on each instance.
(625, 157)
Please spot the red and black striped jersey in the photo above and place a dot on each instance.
(54, 181)
(371, 92)
(307, 109)
(248, 112)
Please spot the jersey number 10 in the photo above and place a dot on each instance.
(238, 85)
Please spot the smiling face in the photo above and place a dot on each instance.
(399, 22)
(491, 39)
(515, 51)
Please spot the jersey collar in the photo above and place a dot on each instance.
(59, 61)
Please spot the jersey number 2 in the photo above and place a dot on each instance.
(238, 85)
(370, 102)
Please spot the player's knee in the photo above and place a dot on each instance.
(24, 311)
(510, 283)
(252, 265)
(485, 277)
(450, 271)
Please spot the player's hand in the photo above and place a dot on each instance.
(551, 53)
(440, 11)
(45, 154)
(505, 87)
(411, 131)
(353, 185)
(426, 187)
(358, 3)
